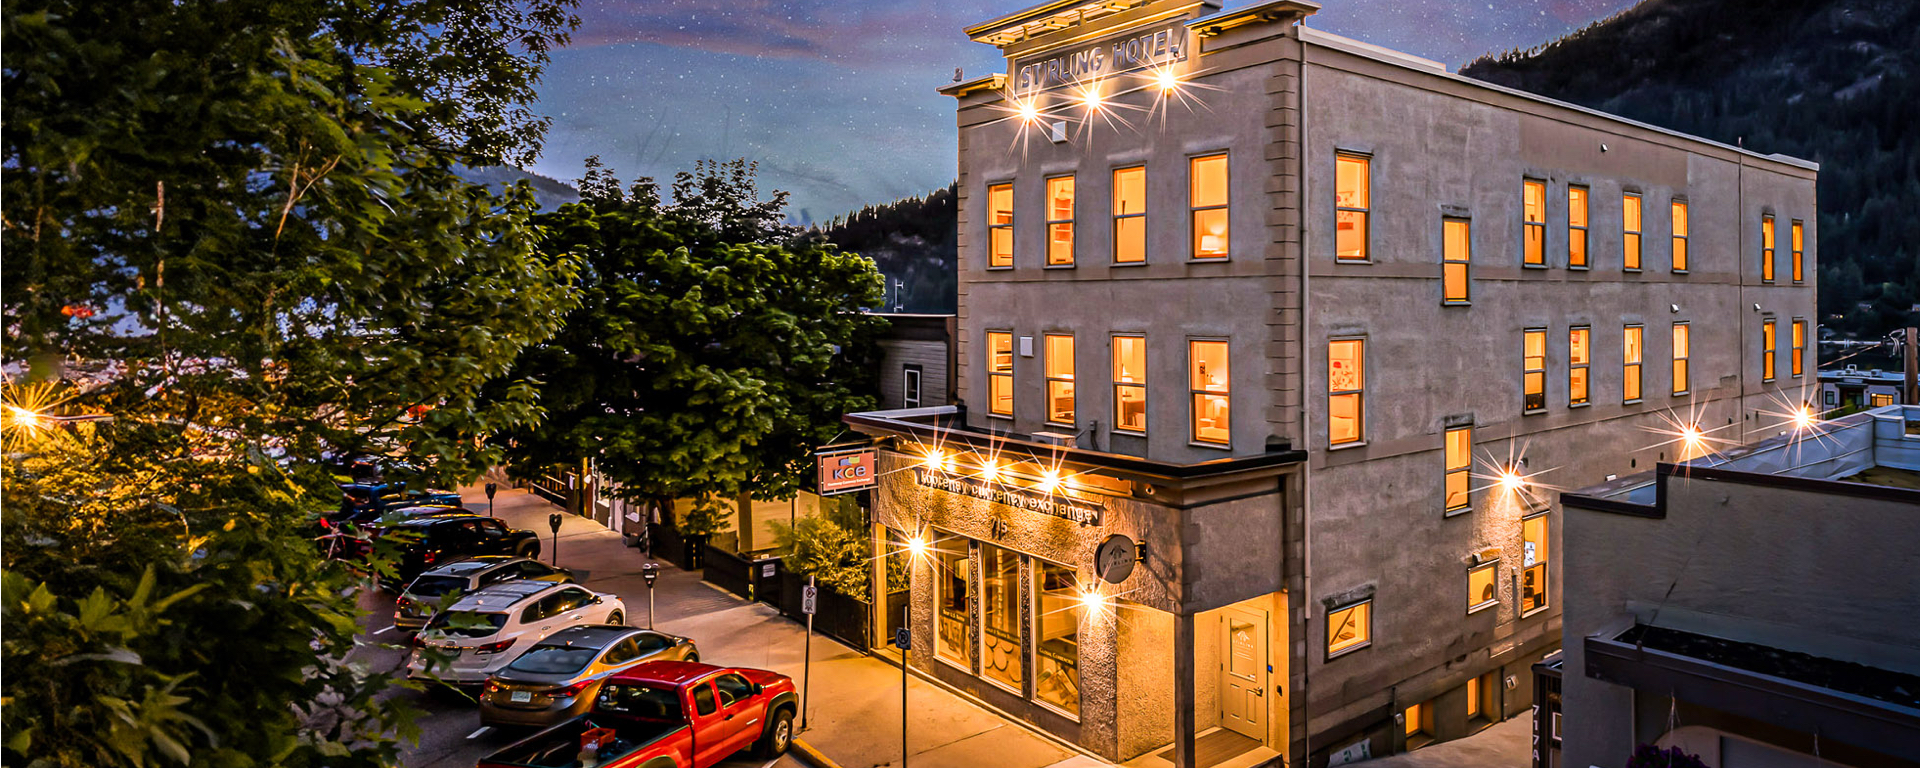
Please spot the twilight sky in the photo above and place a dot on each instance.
(835, 98)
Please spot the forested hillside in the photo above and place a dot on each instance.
(550, 193)
(913, 242)
(1834, 81)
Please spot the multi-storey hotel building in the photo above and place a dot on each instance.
(1271, 345)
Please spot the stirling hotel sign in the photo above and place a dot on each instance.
(1137, 49)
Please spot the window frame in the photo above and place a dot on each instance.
(1526, 372)
(1194, 395)
(1769, 349)
(1584, 230)
(911, 379)
(992, 228)
(1037, 568)
(1493, 565)
(1113, 371)
(1073, 208)
(1448, 471)
(1768, 231)
(1680, 362)
(1633, 241)
(1680, 240)
(1527, 250)
(1013, 398)
(1633, 367)
(972, 651)
(1447, 262)
(1194, 211)
(1798, 340)
(1585, 397)
(1360, 409)
(1365, 212)
(982, 627)
(1366, 641)
(1796, 244)
(1544, 564)
(1052, 377)
(1113, 208)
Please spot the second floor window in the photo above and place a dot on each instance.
(1000, 373)
(1457, 249)
(1060, 221)
(1457, 495)
(1130, 384)
(1130, 215)
(1059, 365)
(1533, 368)
(1207, 197)
(1798, 241)
(1681, 343)
(1632, 350)
(1630, 229)
(1000, 225)
(1679, 235)
(1534, 220)
(1210, 386)
(1798, 363)
(1346, 391)
(1766, 248)
(1767, 341)
(1579, 358)
(1353, 197)
(1576, 227)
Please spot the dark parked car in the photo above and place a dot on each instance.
(441, 586)
(434, 540)
(559, 677)
(372, 499)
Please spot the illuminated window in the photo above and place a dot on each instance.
(1534, 217)
(1576, 227)
(1130, 215)
(1000, 225)
(1059, 364)
(1632, 349)
(1456, 253)
(1534, 371)
(1579, 357)
(1767, 342)
(1798, 363)
(1533, 564)
(1346, 385)
(1482, 592)
(1130, 384)
(1879, 399)
(1480, 697)
(1798, 243)
(1353, 197)
(1680, 235)
(1207, 196)
(1766, 248)
(1060, 221)
(1681, 339)
(1002, 645)
(1000, 373)
(1457, 494)
(953, 589)
(1630, 239)
(1210, 386)
(1419, 723)
(1056, 652)
(1349, 629)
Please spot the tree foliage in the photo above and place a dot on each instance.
(713, 347)
(835, 547)
(235, 228)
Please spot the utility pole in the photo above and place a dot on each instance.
(1911, 395)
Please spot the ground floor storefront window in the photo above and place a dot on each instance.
(1002, 645)
(953, 638)
(1057, 616)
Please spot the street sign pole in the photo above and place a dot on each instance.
(809, 602)
(904, 639)
(650, 572)
(553, 521)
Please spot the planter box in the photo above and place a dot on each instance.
(840, 617)
(757, 578)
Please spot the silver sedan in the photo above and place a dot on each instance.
(559, 676)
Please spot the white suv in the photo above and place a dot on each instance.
(484, 631)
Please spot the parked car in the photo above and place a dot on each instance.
(434, 540)
(375, 498)
(666, 714)
(481, 633)
(438, 588)
(558, 677)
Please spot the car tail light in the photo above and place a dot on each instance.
(570, 691)
(491, 687)
(493, 647)
(418, 641)
(431, 556)
(403, 603)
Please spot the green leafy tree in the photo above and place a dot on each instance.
(234, 228)
(714, 346)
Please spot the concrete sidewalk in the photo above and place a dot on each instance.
(854, 713)
(1506, 744)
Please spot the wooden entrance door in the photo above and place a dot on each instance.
(1243, 672)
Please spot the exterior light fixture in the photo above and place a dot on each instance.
(1511, 480)
(1167, 80)
(1091, 98)
(1092, 601)
(1029, 114)
(990, 470)
(1803, 419)
(917, 546)
(934, 459)
(1050, 481)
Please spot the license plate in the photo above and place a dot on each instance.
(520, 697)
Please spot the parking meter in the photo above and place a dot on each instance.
(553, 521)
(650, 572)
(491, 489)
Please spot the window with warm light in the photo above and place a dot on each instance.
(1418, 723)
(1457, 494)
(1000, 225)
(1002, 641)
(1353, 199)
(1455, 255)
(1207, 197)
(1534, 220)
(1766, 248)
(1797, 242)
(1682, 334)
(1350, 628)
(1130, 384)
(1059, 368)
(1060, 221)
(1533, 367)
(1576, 227)
(1130, 215)
(1533, 564)
(1346, 391)
(1680, 230)
(1630, 232)
(1799, 350)
(1879, 399)
(1767, 341)
(1579, 358)
(1482, 591)
(1058, 614)
(1632, 350)
(953, 590)
(1480, 697)
(1210, 386)
(1000, 373)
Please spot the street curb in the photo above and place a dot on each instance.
(813, 755)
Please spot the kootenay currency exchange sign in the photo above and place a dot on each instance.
(1155, 46)
(1062, 507)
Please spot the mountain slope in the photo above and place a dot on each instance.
(913, 241)
(550, 193)
(1833, 81)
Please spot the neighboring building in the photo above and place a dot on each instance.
(1759, 608)
(1859, 388)
(916, 361)
(1282, 303)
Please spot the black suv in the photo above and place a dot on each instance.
(428, 542)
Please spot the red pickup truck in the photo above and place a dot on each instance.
(666, 714)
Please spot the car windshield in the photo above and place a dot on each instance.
(635, 700)
(554, 659)
(467, 623)
(435, 586)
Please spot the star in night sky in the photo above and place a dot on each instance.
(835, 98)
